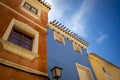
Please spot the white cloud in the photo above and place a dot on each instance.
(78, 22)
(56, 12)
(101, 38)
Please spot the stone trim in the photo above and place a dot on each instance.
(59, 37)
(17, 49)
(98, 58)
(108, 77)
(23, 68)
(51, 26)
(37, 5)
(86, 69)
(76, 47)
(37, 16)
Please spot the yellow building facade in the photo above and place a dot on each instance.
(103, 69)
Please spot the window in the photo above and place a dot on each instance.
(21, 39)
(30, 8)
(106, 71)
(59, 37)
(103, 69)
(84, 73)
(108, 77)
(77, 47)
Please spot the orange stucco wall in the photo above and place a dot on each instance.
(7, 72)
(6, 15)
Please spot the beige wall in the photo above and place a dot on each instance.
(111, 71)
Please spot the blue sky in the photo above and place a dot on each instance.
(97, 21)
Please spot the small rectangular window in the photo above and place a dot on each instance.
(59, 37)
(30, 8)
(21, 39)
(103, 69)
(33, 10)
(77, 47)
(27, 6)
(84, 72)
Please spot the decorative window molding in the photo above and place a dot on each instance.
(76, 47)
(59, 37)
(24, 28)
(31, 8)
(62, 32)
(107, 74)
(108, 77)
(105, 70)
(84, 72)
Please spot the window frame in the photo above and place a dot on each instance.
(86, 69)
(103, 69)
(37, 15)
(77, 47)
(30, 8)
(57, 36)
(108, 77)
(25, 28)
(106, 71)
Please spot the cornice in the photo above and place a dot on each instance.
(98, 58)
(41, 4)
(67, 33)
(21, 67)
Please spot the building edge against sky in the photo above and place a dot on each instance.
(23, 46)
(104, 70)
